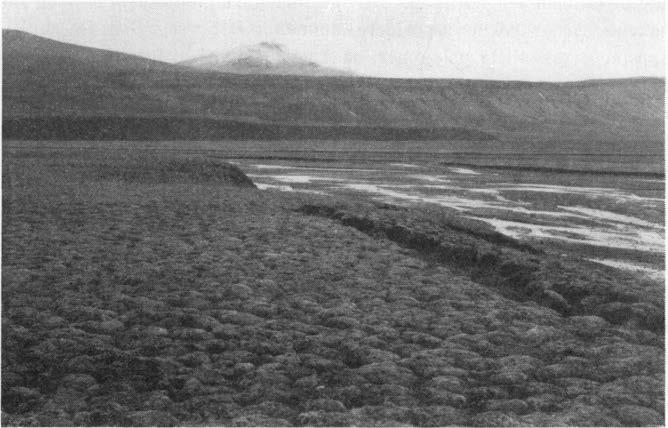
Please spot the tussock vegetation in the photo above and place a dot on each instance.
(145, 166)
(518, 271)
(191, 302)
(151, 168)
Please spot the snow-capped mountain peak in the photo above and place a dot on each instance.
(261, 58)
(272, 45)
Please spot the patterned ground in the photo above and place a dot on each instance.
(159, 302)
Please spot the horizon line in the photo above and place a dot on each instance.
(354, 76)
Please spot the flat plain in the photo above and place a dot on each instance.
(356, 283)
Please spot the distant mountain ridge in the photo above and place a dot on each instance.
(43, 78)
(262, 58)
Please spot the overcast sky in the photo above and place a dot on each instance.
(524, 41)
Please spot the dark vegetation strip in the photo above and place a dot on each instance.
(313, 157)
(556, 169)
(430, 156)
(535, 153)
(345, 156)
(187, 128)
(517, 271)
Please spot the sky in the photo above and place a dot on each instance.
(555, 41)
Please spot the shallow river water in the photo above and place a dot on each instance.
(614, 212)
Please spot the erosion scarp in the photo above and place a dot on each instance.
(519, 271)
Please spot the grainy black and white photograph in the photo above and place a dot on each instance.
(333, 214)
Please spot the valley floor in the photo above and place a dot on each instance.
(132, 299)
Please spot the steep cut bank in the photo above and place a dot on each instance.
(515, 270)
(45, 78)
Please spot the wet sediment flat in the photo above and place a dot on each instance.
(613, 217)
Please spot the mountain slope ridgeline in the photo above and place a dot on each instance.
(44, 78)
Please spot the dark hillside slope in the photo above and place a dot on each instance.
(19, 46)
(188, 128)
(42, 77)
